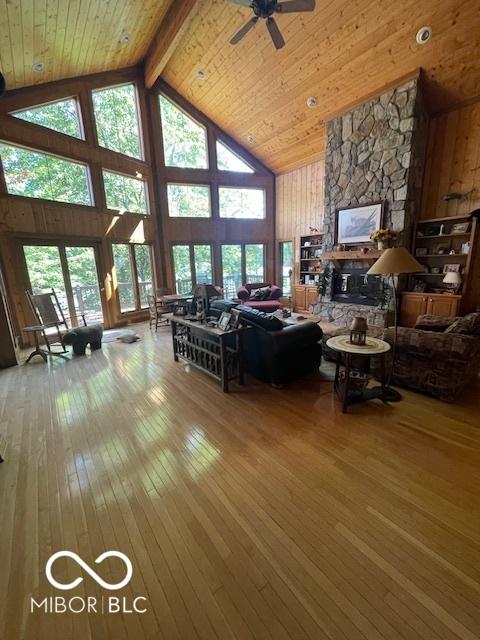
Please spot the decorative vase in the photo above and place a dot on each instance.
(383, 244)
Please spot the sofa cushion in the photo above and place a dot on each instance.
(275, 292)
(428, 322)
(469, 325)
(260, 318)
(243, 293)
(268, 306)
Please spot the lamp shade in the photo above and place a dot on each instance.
(393, 261)
(452, 277)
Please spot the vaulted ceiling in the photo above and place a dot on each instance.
(341, 53)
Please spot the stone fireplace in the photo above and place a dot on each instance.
(374, 153)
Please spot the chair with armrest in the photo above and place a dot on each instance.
(49, 314)
(441, 359)
(158, 309)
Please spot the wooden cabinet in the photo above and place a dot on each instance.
(299, 297)
(436, 304)
(304, 296)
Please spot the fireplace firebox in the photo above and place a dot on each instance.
(356, 287)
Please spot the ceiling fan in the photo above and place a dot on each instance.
(264, 9)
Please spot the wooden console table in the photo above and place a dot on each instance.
(206, 348)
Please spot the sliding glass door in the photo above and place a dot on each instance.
(72, 272)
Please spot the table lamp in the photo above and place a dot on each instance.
(391, 263)
(454, 279)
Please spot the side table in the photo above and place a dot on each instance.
(344, 385)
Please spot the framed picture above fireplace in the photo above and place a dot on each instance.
(353, 225)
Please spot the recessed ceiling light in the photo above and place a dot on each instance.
(38, 67)
(311, 102)
(201, 74)
(250, 138)
(423, 35)
(124, 38)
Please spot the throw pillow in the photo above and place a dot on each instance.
(261, 294)
(428, 322)
(468, 325)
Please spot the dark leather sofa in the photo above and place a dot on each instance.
(274, 352)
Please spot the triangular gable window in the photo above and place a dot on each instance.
(184, 140)
(229, 161)
(61, 115)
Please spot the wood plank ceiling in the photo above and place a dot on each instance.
(73, 37)
(343, 52)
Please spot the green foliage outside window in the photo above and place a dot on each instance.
(123, 268)
(184, 141)
(241, 203)
(231, 268)
(124, 193)
(143, 261)
(182, 268)
(254, 262)
(116, 119)
(39, 175)
(203, 263)
(61, 116)
(229, 161)
(188, 201)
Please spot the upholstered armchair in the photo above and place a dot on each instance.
(441, 361)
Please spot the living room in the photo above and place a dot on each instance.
(240, 319)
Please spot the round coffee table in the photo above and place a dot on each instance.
(347, 391)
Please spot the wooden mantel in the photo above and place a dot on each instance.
(337, 257)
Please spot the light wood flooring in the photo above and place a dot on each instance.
(261, 514)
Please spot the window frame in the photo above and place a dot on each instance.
(190, 117)
(208, 186)
(250, 188)
(88, 175)
(193, 270)
(281, 244)
(78, 110)
(243, 259)
(146, 190)
(138, 113)
(134, 274)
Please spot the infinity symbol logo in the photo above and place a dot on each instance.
(93, 574)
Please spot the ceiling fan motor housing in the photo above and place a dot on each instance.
(264, 8)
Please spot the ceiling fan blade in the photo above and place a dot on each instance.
(294, 6)
(244, 30)
(244, 3)
(274, 31)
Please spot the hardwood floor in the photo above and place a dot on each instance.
(261, 514)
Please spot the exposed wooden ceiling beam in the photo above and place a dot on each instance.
(167, 38)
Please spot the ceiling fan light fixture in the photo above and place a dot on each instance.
(38, 67)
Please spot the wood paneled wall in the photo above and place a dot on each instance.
(453, 163)
(299, 204)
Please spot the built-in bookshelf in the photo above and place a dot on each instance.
(442, 245)
(311, 248)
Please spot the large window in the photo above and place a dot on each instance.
(184, 140)
(61, 115)
(133, 267)
(125, 193)
(192, 264)
(182, 267)
(254, 262)
(116, 118)
(231, 269)
(41, 175)
(229, 161)
(188, 201)
(286, 266)
(241, 203)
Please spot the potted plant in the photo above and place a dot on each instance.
(385, 238)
